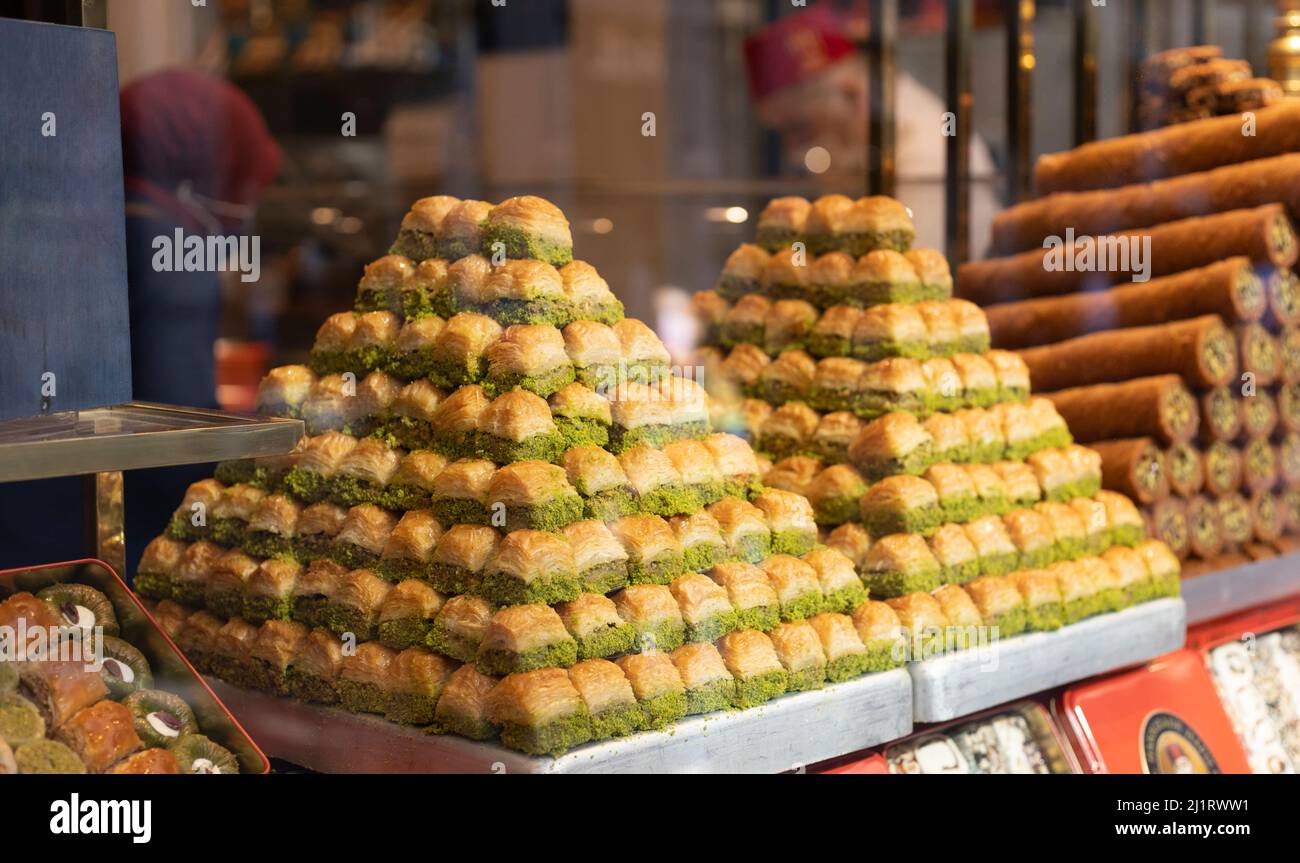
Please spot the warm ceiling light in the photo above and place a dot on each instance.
(737, 215)
(817, 160)
(602, 225)
(324, 215)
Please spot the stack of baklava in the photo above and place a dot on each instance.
(1151, 293)
(1196, 82)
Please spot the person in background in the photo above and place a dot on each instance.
(809, 83)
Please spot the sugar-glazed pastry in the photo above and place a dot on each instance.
(521, 292)
(657, 685)
(460, 556)
(882, 633)
(524, 637)
(800, 652)
(609, 698)
(742, 272)
(528, 227)
(654, 614)
(797, 586)
(531, 567)
(517, 426)
(901, 563)
(581, 415)
(313, 670)
(407, 613)
(744, 527)
(460, 232)
(416, 680)
(426, 293)
(709, 685)
(654, 553)
(753, 662)
(1044, 610)
(705, 607)
(594, 622)
(361, 539)
(599, 478)
(417, 238)
(532, 494)
(781, 222)
(364, 472)
(589, 295)
(701, 540)
(411, 485)
(459, 627)
(283, 390)
(463, 705)
(354, 605)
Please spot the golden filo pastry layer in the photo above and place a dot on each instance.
(591, 469)
(1009, 368)
(894, 434)
(522, 628)
(322, 519)
(957, 606)
(322, 578)
(466, 617)
(696, 529)
(589, 614)
(162, 556)
(197, 636)
(699, 665)
(793, 474)
(989, 536)
(336, 333)
(583, 285)
(524, 483)
(374, 329)
(277, 514)
(467, 334)
(589, 343)
(517, 416)
(829, 215)
(1037, 586)
(931, 266)
(527, 349)
(362, 589)
(648, 469)
(579, 401)
(797, 646)
(838, 636)
(640, 343)
(411, 598)
(645, 537)
(426, 214)
(952, 547)
(746, 262)
(693, 461)
(1160, 560)
(789, 213)
(747, 653)
(602, 685)
(205, 491)
(369, 664)
(1127, 564)
(420, 334)
(374, 396)
(651, 674)
(371, 460)
(460, 412)
(235, 639)
(232, 570)
(794, 420)
(898, 552)
(593, 544)
(273, 577)
(284, 385)
(320, 655)
(786, 269)
(529, 554)
(877, 621)
(647, 604)
(238, 501)
(1120, 511)
(465, 696)
(790, 577)
(918, 612)
(1063, 520)
(416, 670)
(738, 518)
(278, 641)
(414, 537)
(880, 213)
(699, 597)
(835, 572)
(784, 510)
(533, 215)
(850, 540)
(198, 561)
(635, 405)
(368, 527)
(467, 479)
(419, 400)
(468, 546)
(468, 278)
(747, 586)
(524, 279)
(463, 225)
(1075, 581)
(1018, 478)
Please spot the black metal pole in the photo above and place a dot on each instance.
(1085, 73)
(1203, 28)
(1138, 47)
(957, 74)
(882, 138)
(1019, 18)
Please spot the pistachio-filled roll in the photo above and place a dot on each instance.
(1001, 605)
(1259, 415)
(609, 698)
(998, 554)
(924, 623)
(459, 627)
(534, 495)
(230, 655)
(528, 356)
(790, 519)
(600, 480)
(1122, 517)
(311, 477)
(531, 566)
(658, 687)
(891, 330)
(965, 627)
(1167, 520)
(788, 430)
(1288, 460)
(901, 504)
(283, 390)
(416, 679)
(800, 652)
(1258, 462)
(595, 625)
(361, 539)
(1222, 466)
(744, 527)
(750, 592)
(231, 513)
(958, 560)
(313, 591)
(893, 384)
(832, 335)
(417, 238)
(709, 685)
(737, 464)
(223, 594)
(701, 540)
(1081, 593)
(158, 565)
(459, 557)
(193, 572)
(705, 607)
(460, 232)
(407, 613)
(883, 635)
(528, 227)
(900, 563)
(896, 443)
(1221, 415)
(540, 712)
(959, 499)
(1041, 592)
(462, 707)
(354, 605)
(1031, 534)
(752, 660)
(742, 272)
(582, 415)
(458, 355)
(524, 637)
(652, 611)
(781, 222)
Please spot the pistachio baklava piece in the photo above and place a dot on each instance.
(787, 325)
(354, 605)
(231, 653)
(658, 687)
(893, 384)
(364, 473)
(882, 633)
(191, 577)
(800, 651)
(427, 293)
(653, 613)
(1096, 528)
(223, 594)
(797, 586)
(885, 276)
(463, 705)
(700, 537)
(835, 432)
(901, 504)
(1163, 568)
(414, 416)
(1080, 592)
(460, 556)
(781, 222)
(1122, 518)
(837, 384)
(744, 527)
(1041, 591)
(363, 679)
(158, 565)
(674, 409)
(850, 540)
(361, 539)
(370, 347)
(529, 227)
(459, 627)
(659, 487)
(1055, 475)
(1012, 375)
(412, 354)
(313, 670)
(318, 525)
(600, 480)
(709, 685)
(594, 623)
(699, 472)
(459, 353)
(785, 274)
(923, 621)
(524, 637)
(900, 563)
(531, 357)
(751, 594)
(965, 627)
(311, 477)
(411, 486)
(842, 589)
(998, 554)
(1132, 573)
(1020, 483)
(959, 499)
(518, 426)
(408, 551)
(596, 354)
(417, 238)
(1069, 532)
(752, 661)
(790, 519)
(589, 294)
(195, 639)
(330, 406)
(980, 387)
(959, 562)
(531, 566)
(273, 528)
(893, 444)
(742, 272)
(891, 330)
(737, 464)
(1112, 592)
(654, 556)
(599, 557)
(534, 495)
(645, 358)
(1031, 534)
(608, 697)
(951, 442)
(792, 376)
(329, 351)
(416, 680)
(832, 335)
(407, 613)
(276, 644)
(283, 390)
(793, 474)
(231, 513)
(460, 232)
(1001, 606)
(705, 607)
(835, 494)
(745, 321)
(788, 430)
(461, 492)
(582, 416)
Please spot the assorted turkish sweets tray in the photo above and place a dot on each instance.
(90, 706)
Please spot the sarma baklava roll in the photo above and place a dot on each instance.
(902, 563)
(100, 735)
(1282, 290)
(1258, 465)
(997, 553)
(1235, 520)
(901, 504)
(157, 568)
(1259, 415)
(313, 669)
(1044, 608)
(462, 706)
(524, 637)
(894, 384)
(1288, 407)
(534, 495)
(736, 462)
(1186, 469)
(283, 390)
(193, 572)
(882, 633)
(364, 677)
(416, 679)
(1204, 531)
(1162, 567)
(354, 605)
(652, 611)
(310, 478)
(460, 232)
(595, 625)
(1259, 353)
(460, 626)
(751, 594)
(832, 335)
(1135, 467)
(418, 237)
(1122, 518)
(1167, 521)
(531, 567)
(581, 415)
(230, 657)
(529, 227)
(223, 594)
(654, 554)
(959, 562)
(842, 589)
(1021, 484)
(1289, 346)
(923, 621)
(609, 698)
(458, 355)
(313, 590)
(1001, 606)
(705, 607)
(659, 488)
(742, 272)
(799, 650)
(965, 626)
(599, 478)
(528, 356)
(895, 443)
(788, 430)
(781, 222)
(892, 330)
(1223, 468)
(407, 613)
(700, 537)
(958, 498)
(1221, 415)
(1266, 516)
(709, 685)
(1159, 406)
(744, 527)
(658, 687)
(790, 519)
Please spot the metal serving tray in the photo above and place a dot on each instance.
(785, 734)
(946, 687)
(1228, 591)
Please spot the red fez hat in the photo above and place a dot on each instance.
(794, 49)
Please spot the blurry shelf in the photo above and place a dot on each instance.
(958, 684)
(135, 435)
(784, 734)
(1215, 594)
